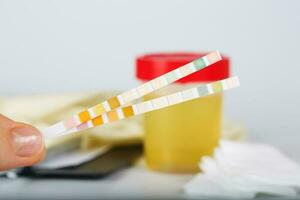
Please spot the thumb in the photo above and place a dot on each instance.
(20, 144)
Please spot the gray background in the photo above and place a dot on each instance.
(57, 46)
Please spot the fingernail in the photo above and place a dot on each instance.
(26, 142)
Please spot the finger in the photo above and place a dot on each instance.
(20, 144)
(5, 122)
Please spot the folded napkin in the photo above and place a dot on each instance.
(43, 110)
(243, 170)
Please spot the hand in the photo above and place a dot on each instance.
(20, 144)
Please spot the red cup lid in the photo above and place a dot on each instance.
(150, 66)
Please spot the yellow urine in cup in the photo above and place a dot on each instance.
(178, 136)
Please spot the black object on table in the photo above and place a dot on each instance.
(115, 159)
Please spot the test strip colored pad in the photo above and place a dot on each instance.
(135, 93)
(157, 103)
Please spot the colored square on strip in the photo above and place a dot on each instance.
(69, 123)
(170, 77)
(187, 95)
(114, 102)
(174, 98)
(98, 109)
(199, 64)
(159, 82)
(217, 86)
(186, 70)
(97, 121)
(202, 90)
(84, 116)
(112, 115)
(213, 57)
(128, 111)
(224, 84)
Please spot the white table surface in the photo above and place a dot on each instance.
(135, 182)
(132, 183)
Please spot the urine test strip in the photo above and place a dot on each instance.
(154, 104)
(135, 93)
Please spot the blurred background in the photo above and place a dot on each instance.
(59, 46)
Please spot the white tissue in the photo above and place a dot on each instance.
(242, 170)
(259, 162)
(208, 186)
(73, 158)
